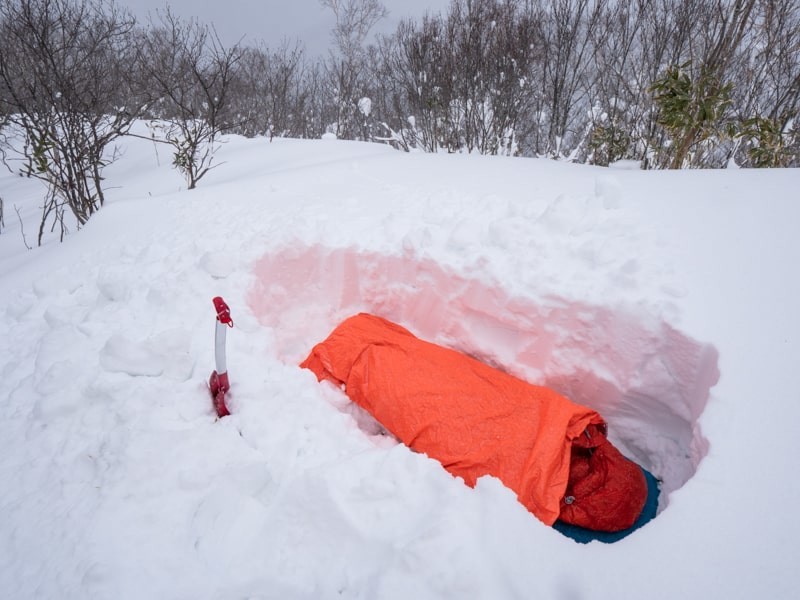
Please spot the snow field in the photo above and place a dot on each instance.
(634, 291)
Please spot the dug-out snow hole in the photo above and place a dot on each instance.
(649, 381)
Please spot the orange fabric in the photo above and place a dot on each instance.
(472, 418)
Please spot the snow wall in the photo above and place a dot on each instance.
(649, 381)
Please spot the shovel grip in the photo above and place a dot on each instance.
(223, 311)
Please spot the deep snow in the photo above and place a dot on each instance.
(666, 300)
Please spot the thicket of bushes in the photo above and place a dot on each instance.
(668, 83)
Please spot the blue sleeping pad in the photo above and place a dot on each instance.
(584, 536)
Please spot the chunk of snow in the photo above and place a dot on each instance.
(365, 106)
(123, 355)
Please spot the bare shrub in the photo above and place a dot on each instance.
(188, 73)
(65, 89)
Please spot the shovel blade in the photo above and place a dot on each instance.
(218, 385)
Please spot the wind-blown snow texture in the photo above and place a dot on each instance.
(666, 300)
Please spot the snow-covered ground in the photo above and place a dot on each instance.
(666, 300)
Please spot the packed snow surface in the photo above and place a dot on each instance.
(665, 300)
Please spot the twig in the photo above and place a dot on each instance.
(22, 228)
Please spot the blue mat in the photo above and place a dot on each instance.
(584, 536)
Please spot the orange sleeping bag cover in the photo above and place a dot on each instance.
(477, 420)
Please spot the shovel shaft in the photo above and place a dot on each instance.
(219, 347)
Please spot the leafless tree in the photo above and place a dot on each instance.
(723, 25)
(766, 97)
(463, 81)
(414, 81)
(591, 69)
(62, 73)
(617, 103)
(568, 71)
(491, 50)
(269, 94)
(346, 67)
(189, 73)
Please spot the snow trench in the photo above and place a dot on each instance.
(648, 380)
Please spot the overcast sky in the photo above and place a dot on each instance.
(273, 20)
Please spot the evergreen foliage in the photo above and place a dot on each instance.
(691, 109)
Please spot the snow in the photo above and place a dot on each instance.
(667, 300)
(365, 106)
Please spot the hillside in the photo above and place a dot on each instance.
(665, 300)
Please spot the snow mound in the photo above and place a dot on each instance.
(126, 356)
(650, 381)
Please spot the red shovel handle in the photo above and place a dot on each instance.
(223, 312)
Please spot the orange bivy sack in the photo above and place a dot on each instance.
(477, 420)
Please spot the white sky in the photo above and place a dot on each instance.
(273, 20)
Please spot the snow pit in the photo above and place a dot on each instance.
(649, 381)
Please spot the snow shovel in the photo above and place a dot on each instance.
(218, 383)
